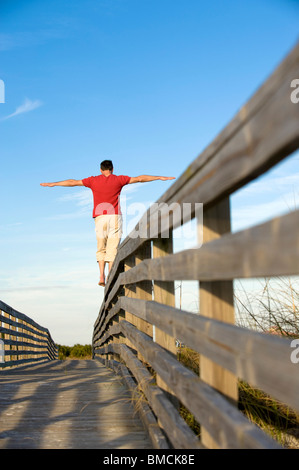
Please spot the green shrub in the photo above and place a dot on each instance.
(77, 351)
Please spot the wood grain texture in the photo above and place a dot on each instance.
(178, 432)
(227, 426)
(263, 132)
(255, 357)
(144, 288)
(164, 293)
(157, 436)
(217, 302)
(68, 405)
(245, 254)
(25, 340)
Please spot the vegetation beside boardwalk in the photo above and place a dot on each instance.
(78, 351)
(272, 310)
(275, 418)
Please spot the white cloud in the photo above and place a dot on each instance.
(275, 184)
(26, 107)
(81, 198)
(248, 215)
(272, 195)
(83, 205)
(131, 188)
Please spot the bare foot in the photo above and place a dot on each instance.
(102, 282)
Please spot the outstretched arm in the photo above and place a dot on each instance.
(68, 183)
(146, 178)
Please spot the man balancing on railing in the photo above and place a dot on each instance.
(106, 189)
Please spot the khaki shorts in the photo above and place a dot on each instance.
(108, 231)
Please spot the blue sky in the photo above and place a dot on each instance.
(146, 83)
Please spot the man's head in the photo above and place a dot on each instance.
(107, 165)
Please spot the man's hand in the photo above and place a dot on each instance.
(48, 184)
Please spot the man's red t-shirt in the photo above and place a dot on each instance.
(106, 191)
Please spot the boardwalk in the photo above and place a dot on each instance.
(67, 405)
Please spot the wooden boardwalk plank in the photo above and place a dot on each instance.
(67, 405)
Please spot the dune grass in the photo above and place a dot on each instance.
(273, 310)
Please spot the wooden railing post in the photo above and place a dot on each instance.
(13, 337)
(265, 131)
(164, 294)
(130, 291)
(27, 348)
(144, 288)
(216, 301)
(23, 338)
(141, 290)
(7, 336)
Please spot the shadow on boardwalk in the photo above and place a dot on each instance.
(67, 405)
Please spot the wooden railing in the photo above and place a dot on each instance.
(138, 323)
(22, 340)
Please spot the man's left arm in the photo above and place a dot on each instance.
(66, 183)
(147, 178)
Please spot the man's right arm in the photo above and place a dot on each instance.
(67, 183)
(147, 178)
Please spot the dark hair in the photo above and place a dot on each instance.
(107, 165)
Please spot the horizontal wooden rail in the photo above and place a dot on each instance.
(171, 420)
(245, 254)
(203, 401)
(23, 340)
(237, 349)
(138, 323)
(264, 132)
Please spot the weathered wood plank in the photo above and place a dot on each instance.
(101, 327)
(264, 132)
(245, 254)
(15, 342)
(11, 311)
(143, 288)
(164, 293)
(217, 302)
(258, 100)
(255, 357)
(157, 436)
(130, 291)
(179, 434)
(27, 334)
(227, 426)
(68, 405)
